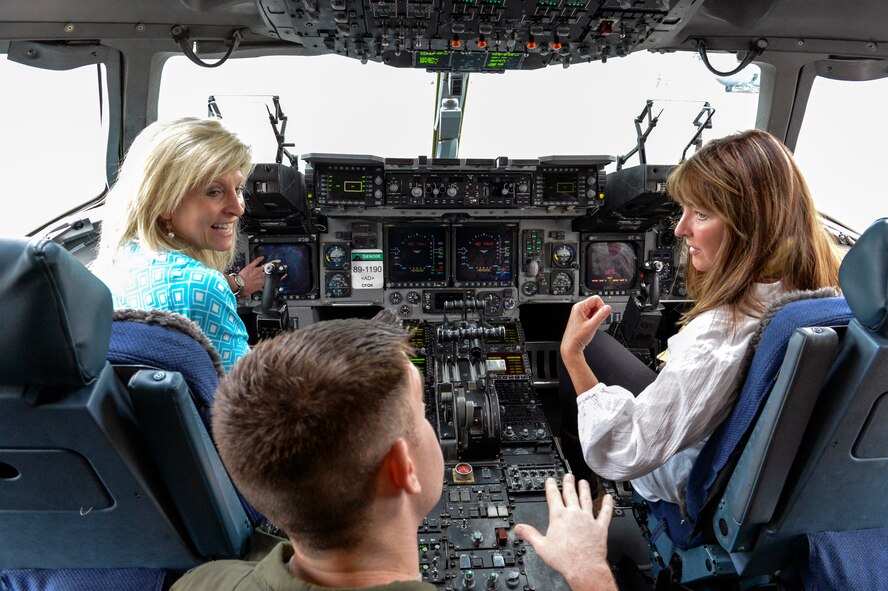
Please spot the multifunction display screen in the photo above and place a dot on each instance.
(484, 255)
(417, 256)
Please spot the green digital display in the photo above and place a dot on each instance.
(503, 61)
(431, 59)
(467, 61)
(420, 363)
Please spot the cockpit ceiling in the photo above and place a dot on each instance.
(469, 35)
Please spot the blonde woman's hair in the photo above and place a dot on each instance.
(166, 161)
(772, 230)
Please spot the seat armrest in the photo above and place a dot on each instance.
(189, 464)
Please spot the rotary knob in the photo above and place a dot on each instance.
(530, 288)
(451, 191)
(416, 191)
(492, 583)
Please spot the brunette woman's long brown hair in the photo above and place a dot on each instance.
(772, 231)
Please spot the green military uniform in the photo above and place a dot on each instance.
(270, 574)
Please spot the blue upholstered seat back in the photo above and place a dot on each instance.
(727, 440)
(766, 363)
(138, 343)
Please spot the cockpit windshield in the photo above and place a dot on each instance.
(339, 105)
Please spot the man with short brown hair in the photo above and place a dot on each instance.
(324, 431)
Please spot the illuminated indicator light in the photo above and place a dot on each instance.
(531, 44)
(463, 473)
(556, 45)
(481, 43)
(456, 43)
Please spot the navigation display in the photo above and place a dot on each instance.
(561, 187)
(416, 256)
(298, 257)
(484, 255)
(611, 265)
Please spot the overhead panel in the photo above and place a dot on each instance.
(474, 35)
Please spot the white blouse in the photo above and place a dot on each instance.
(654, 438)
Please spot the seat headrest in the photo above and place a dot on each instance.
(56, 319)
(864, 278)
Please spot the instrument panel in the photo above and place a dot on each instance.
(412, 234)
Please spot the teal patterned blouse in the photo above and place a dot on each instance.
(172, 281)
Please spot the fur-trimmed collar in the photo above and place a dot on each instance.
(175, 321)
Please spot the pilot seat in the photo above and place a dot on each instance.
(789, 490)
(108, 476)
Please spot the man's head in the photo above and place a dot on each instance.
(309, 422)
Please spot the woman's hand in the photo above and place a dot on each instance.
(254, 276)
(585, 318)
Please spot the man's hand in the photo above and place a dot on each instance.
(575, 544)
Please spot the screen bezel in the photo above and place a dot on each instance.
(388, 262)
(513, 234)
(633, 239)
(308, 240)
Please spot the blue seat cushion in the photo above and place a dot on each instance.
(677, 527)
(845, 560)
(118, 579)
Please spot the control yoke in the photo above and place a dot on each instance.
(653, 288)
(272, 316)
(274, 272)
(637, 329)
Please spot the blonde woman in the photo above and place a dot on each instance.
(171, 229)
